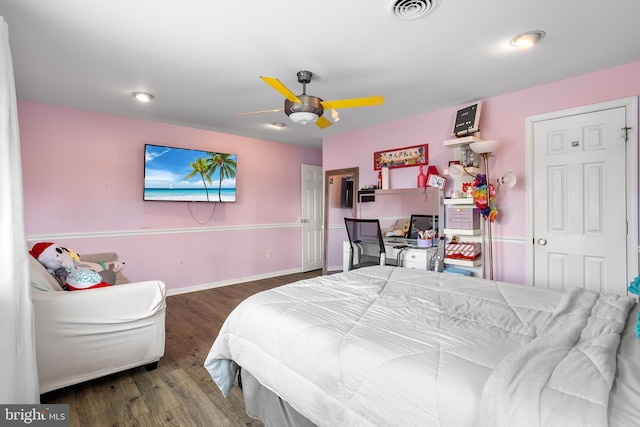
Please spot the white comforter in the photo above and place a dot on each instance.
(390, 346)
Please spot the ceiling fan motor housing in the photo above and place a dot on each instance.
(310, 104)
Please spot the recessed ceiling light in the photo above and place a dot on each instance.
(142, 96)
(528, 39)
(278, 125)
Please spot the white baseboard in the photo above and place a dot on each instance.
(334, 269)
(229, 282)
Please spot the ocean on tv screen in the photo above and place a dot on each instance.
(190, 194)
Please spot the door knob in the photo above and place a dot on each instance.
(542, 242)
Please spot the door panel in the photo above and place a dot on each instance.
(579, 202)
(312, 217)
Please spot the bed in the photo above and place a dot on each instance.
(389, 346)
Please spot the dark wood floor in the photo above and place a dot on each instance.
(179, 392)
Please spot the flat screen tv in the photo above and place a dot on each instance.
(186, 175)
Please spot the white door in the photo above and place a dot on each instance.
(311, 217)
(579, 201)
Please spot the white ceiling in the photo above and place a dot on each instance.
(202, 58)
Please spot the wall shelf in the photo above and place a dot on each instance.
(463, 262)
(417, 190)
(370, 194)
(462, 232)
(457, 142)
(460, 201)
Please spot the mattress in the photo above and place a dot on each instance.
(391, 346)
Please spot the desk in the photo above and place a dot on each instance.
(410, 257)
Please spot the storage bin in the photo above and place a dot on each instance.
(462, 217)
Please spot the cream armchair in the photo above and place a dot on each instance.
(82, 335)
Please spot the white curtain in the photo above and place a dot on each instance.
(18, 370)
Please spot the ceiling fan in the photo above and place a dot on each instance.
(305, 109)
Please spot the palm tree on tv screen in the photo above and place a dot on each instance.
(201, 167)
(225, 164)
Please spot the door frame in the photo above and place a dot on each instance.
(325, 229)
(631, 109)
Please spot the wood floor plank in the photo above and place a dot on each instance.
(95, 404)
(201, 408)
(127, 398)
(177, 417)
(155, 391)
(180, 392)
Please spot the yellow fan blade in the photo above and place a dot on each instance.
(260, 112)
(322, 122)
(353, 102)
(284, 91)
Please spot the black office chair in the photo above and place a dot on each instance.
(367, 246)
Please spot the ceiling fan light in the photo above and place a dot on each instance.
(303, 117)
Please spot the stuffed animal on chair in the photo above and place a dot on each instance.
(114, 266)
(55, 259)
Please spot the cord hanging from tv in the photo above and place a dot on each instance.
(187, 175)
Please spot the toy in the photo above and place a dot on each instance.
(405, 229)
(634, 287)
(59, 262)
(114, 266)
(484, 195)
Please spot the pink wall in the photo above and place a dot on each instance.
(83, 178)
(503, 118)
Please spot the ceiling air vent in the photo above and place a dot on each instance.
(411, 9)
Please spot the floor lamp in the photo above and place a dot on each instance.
(484, 149)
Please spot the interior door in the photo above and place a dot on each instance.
(312, 217)
(579, 207)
